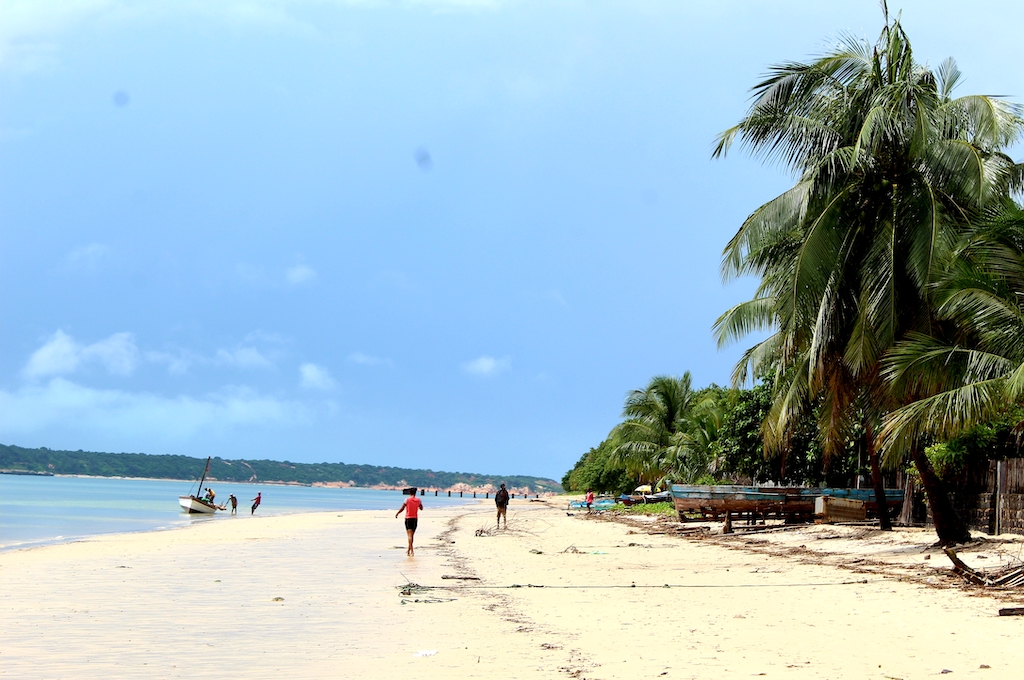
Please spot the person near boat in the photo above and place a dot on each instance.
(412, 507)
(210, 495)
(590, 499)
(234, 503)
(501, 500)
(256, 502)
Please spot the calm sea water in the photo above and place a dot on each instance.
(41, 510)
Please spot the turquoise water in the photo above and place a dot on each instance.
(41, 510)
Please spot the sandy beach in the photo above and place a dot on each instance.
(327, 595)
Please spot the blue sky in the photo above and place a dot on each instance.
(449, 234)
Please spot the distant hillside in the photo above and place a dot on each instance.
(186, 467)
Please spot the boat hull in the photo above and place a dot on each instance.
(791, 504)
(191, 504)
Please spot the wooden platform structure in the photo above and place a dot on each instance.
(790, 504)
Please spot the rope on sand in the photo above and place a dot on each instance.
(411, 587)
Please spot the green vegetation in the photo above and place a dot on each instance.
(667, 509)
(890, 286)
(186, 467)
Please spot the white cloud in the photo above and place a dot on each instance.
(176, 363)
(118, 353)
(300, 274)
(61, 355)
(487, 366)
(139, 417)
(367, 360)
(243, 357)
(87, 258)
(315, 377)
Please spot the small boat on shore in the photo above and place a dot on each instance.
(197, 505)
(793, 504)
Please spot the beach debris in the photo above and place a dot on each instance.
(278, 599)
(1008, 577)
(426, 652)
(548, 645)
(536, 552)
(1010, 611)
(571, 549)
(460, 578)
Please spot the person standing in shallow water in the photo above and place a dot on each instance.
(234, 503)
(412, 507)
(501, 500)
(256, 502)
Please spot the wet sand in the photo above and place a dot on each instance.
(321, 596)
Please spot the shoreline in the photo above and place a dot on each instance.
(319, 595)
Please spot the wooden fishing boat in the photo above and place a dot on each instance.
(792, 504)
(197, 505)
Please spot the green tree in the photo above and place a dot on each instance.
(967, 381)
(647, 441)
(694, 453)
(595, 470)
(890, 169)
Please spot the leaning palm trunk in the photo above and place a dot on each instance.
(949, 527)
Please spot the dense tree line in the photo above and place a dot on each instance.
(891, 288)
(186, 467)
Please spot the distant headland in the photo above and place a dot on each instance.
(19, 460)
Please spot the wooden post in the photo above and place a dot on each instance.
(907, 511)
(727, 527)
(1000, 495)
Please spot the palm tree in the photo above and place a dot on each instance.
(890, 169)
(693, 452)
(653, 417)
(975, 369)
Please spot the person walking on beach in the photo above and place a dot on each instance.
(501, 500)
(256, 502)
(589, 499)
(234, 503)
(412, 507)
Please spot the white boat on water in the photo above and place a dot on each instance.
(195, 504)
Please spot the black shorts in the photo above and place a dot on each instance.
(410, 524)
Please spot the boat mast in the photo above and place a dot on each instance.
(199, 491)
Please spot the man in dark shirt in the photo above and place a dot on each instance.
(501, 500)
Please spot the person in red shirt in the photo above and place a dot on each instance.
(412, 507)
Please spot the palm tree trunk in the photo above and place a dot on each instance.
(876, 479)
(948, 525)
